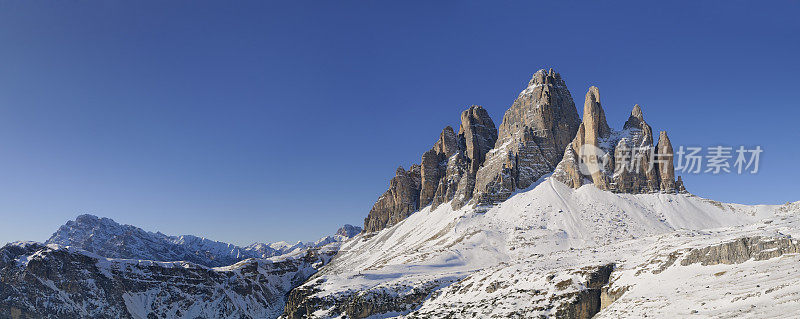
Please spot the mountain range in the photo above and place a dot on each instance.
(538, 217)
(107, 238)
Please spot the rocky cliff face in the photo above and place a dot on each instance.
(480, 165)
(535, 130)
(625, 161)
(399, 201)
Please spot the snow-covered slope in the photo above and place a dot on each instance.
(443, 257)
(108, 238)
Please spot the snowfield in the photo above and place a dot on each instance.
(548, 251)
(541, 252)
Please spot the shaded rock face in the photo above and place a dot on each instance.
(479, 136)
(624, 161)
(434, 164)
(666, 169)
(447, 171)
(539, 125)
(398, 202)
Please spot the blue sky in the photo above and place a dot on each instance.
(266, 121)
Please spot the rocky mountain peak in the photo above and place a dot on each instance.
(546, 94)
(107, 238)
(618, 161)
(545, 77)
(642, 133)
(637, 112)
(666, 169)
(594, 118)
(483, 165)
(535, 130)
(348, 231)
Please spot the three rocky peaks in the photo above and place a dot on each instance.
(540, 134)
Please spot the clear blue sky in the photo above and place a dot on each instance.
(265, 121)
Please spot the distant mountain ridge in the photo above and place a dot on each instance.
(107, 238)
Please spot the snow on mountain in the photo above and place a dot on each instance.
(443, 262)
(108, 238)
(52, 281)
(96, 268)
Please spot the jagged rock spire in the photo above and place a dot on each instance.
(666, 168)
(617, 161)
(433, 164)
(584, 146)
(479, 134)
(594, 118)
(636, 122)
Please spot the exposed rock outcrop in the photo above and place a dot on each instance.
(434, 164)
(534, 131)
(741, 250)
(479, 135)
(666, 168)
(624, 161)
(398, 202)
(301, 302)
(594, 118)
